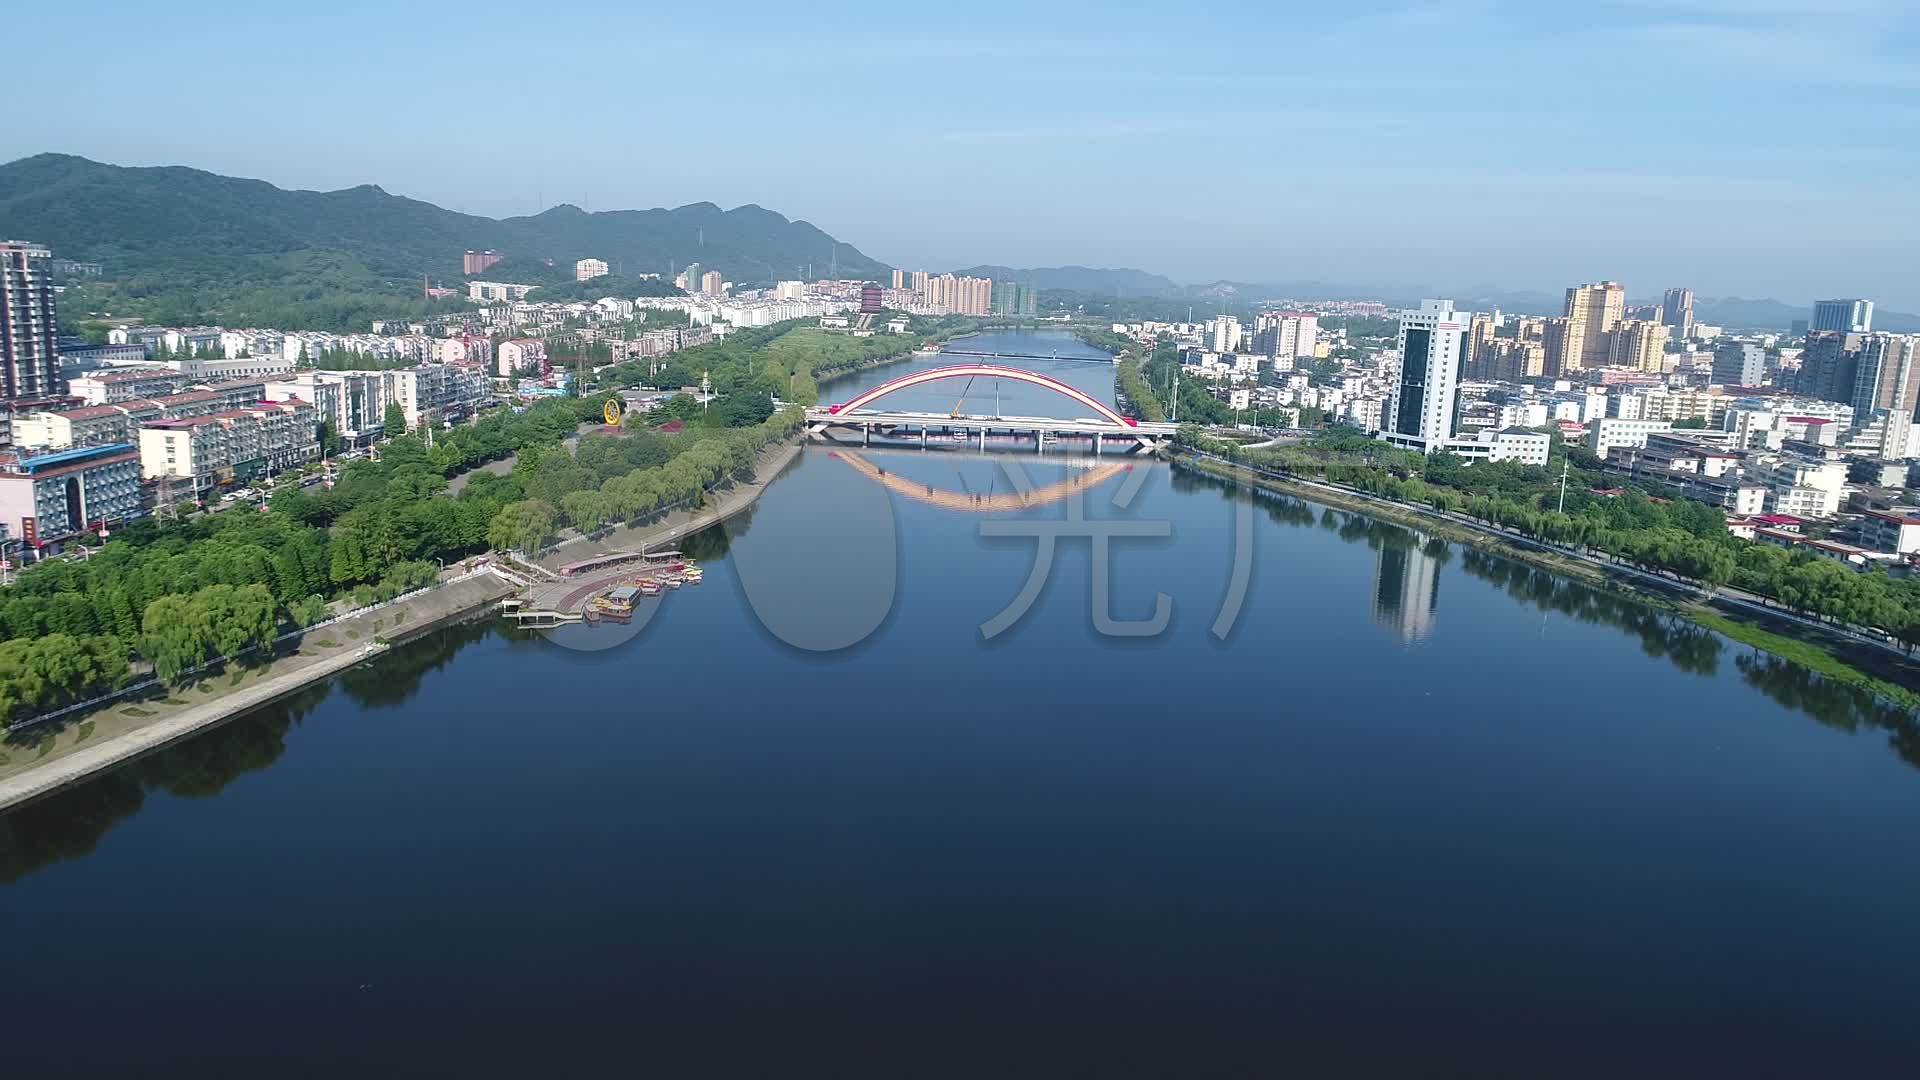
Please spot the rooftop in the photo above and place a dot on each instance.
(63, 460)
(131, 375)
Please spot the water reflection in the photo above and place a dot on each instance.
(1836, 705)
(1406, 590)
(394, 676)
(1091, 474)
(1688, 646)
(70, 824)
(1404, 598)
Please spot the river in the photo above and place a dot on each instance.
(1420, 810)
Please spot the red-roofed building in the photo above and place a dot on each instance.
(231, 445)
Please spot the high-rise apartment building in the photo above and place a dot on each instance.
(1739, 363)
(1829, 365)
(1224, 334)
(1638, 344)
(959, 295)
(29, 359)
(1591, 313)
(1285, 333)
(1510, 360)
(1676, 310)
(1479, 344)
(1887, 374)
(977, 296)
(921, 280)
(588, 269)
(899, 279)
(712, 283)
(1843, 316)
(1433, 345)
(477, 262)
(1559, 346)
(1013, 298)
(689, 279)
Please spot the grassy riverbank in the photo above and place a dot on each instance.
(1805, 653)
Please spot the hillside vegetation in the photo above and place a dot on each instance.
(181, 245)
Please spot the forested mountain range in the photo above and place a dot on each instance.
(181, 244)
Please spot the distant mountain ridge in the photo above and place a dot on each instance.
(174, 220)
(1123, 281)
(1732, 312)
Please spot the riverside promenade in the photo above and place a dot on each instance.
(133, 727)
(676, 525)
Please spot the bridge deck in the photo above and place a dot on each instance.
(1027, 356)
(946, 421)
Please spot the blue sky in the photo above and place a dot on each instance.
(1741, 147)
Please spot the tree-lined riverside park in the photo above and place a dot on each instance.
(173, 594)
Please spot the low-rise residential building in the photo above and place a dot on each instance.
(519, 355)
(449, 391)
(231, 446)
(245, 367)
(1608, 432)
(497, 290)
(96, 425)
(1691, 468)
(1517, 444)
(1803, 488)
(1897, 531)
(79, 356)
(126, 384)
(353, 403)
(1856, 557)
(46, 498)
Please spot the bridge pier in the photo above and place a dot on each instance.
(1096, 444)
(866, 434)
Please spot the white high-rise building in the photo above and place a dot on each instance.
(1226, 334)
(1433, 345)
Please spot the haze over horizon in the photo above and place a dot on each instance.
(1756, 149)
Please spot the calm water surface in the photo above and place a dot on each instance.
(1423, 811)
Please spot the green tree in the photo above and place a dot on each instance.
(521, 526)
(174, 637)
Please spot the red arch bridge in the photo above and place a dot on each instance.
(866, 415)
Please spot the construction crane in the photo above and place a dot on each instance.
(958, 405)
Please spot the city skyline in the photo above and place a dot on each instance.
(1106, 152)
